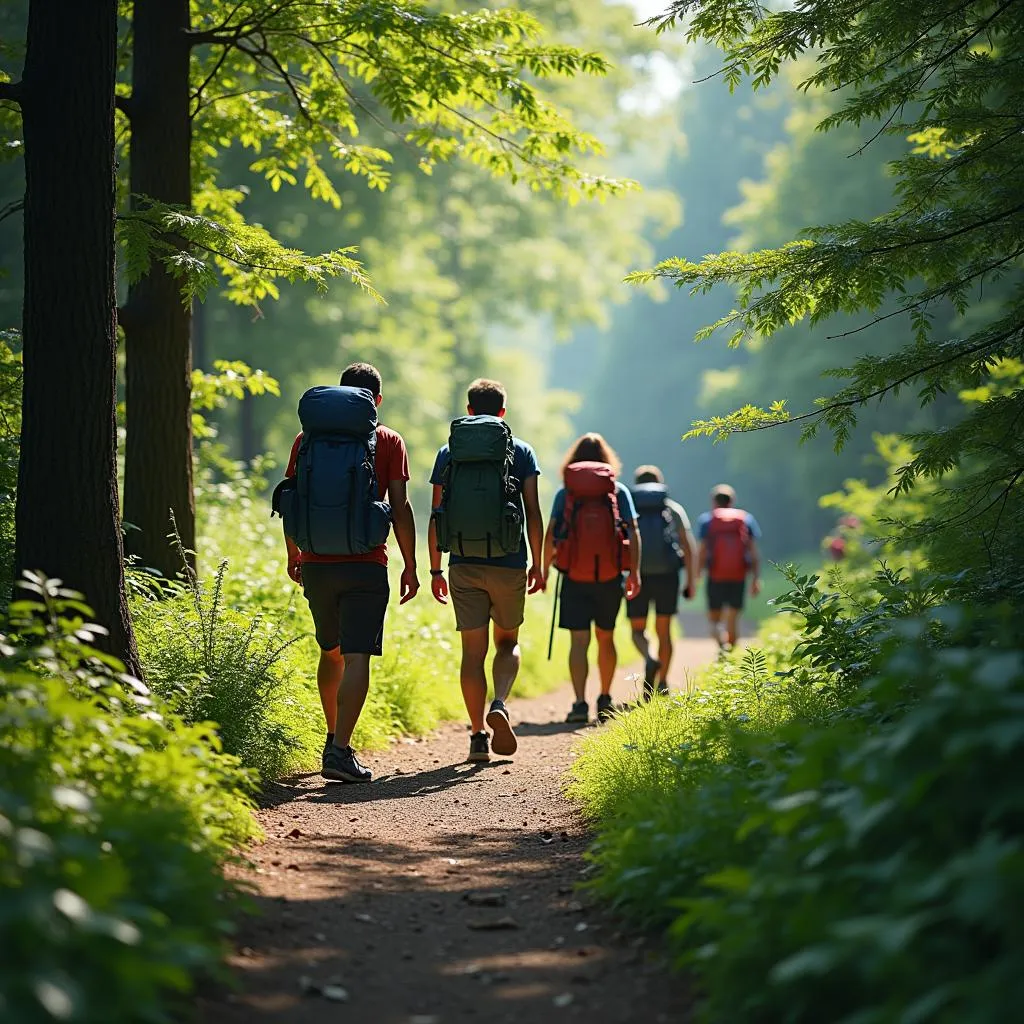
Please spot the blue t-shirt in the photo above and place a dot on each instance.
(524, 465)
(627, 510)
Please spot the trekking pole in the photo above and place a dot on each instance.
(554, 613)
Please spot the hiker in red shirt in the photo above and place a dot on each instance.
(341, 508)
(592, 539)
(728, 552)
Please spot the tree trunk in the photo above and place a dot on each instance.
(158, 361)
(67, 517)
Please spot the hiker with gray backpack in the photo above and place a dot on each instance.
(345, 486)
(486, 513)
(668, 549)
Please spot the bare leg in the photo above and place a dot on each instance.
(732, 616)
(471, 674)
(506, 661)
(607, 659)
(355, 682)
(328, 678)
(663, 627)
(714, 620)
(579, 642)
(640, 641)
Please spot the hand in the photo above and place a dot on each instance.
(439, 588)
(410, 584)
(632, 585)
(755, 587)
(689, 590)
(295, 571)
(536, 580)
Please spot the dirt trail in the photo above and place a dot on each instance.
(443, 892)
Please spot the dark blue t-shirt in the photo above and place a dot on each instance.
(524, 465)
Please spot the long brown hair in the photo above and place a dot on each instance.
(592, 448)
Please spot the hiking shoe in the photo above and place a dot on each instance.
(604, 707)
(580, 712)
(650, 675)
(503, 739)
(342, 765)
(478, 748)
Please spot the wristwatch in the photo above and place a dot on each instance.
(437, 572)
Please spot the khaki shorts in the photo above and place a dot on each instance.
(484, 592)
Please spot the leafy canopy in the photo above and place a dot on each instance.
(946, 76)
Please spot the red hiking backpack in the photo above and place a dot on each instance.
(590, 542)
(728, 541)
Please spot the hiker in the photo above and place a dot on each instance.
(485, 490)
(728, 553)
(668, 547)
(336, 523)
(592, 539)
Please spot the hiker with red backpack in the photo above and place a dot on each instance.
(728, 553)
(593, 541)
(668, 548)
(343, 466)
(486, 511)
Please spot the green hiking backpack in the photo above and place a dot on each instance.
(480, 513)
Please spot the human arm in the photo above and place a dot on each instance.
(755, 568)
(294, 559)
(405, 534)
(635, 552)
(537, 577)
(549, 549)
(438, 584)
(689, 547)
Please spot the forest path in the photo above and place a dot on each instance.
(443, 892)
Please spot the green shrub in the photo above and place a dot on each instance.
(832, 829)
(212, 663)
(115, 819)
(888, 864)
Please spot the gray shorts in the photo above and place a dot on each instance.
(481, 593)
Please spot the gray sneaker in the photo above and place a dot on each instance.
(342, 765)
(503, 739)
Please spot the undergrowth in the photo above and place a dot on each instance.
(115, 819)
(831, 826)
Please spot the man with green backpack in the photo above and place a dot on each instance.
(485, 512)
(668, 549)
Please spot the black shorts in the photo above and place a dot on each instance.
(584, 603)
(725, 595)
(660, 589)
(348, 601)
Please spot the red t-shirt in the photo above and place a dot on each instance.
(391, 463)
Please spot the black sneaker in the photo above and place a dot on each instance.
(342, 765)
(604, 707)
(478, 748)
(580, 712)
(650, 675)
(503, 739)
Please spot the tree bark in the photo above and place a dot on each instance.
(158, 358)
(67, 514)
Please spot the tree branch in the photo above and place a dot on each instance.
(11, 92)
(11, 208)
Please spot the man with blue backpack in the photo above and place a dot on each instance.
(668, 548)
(486, 512)
(345, 486)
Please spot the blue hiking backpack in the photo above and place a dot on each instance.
(660, 551)
(331, 505)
